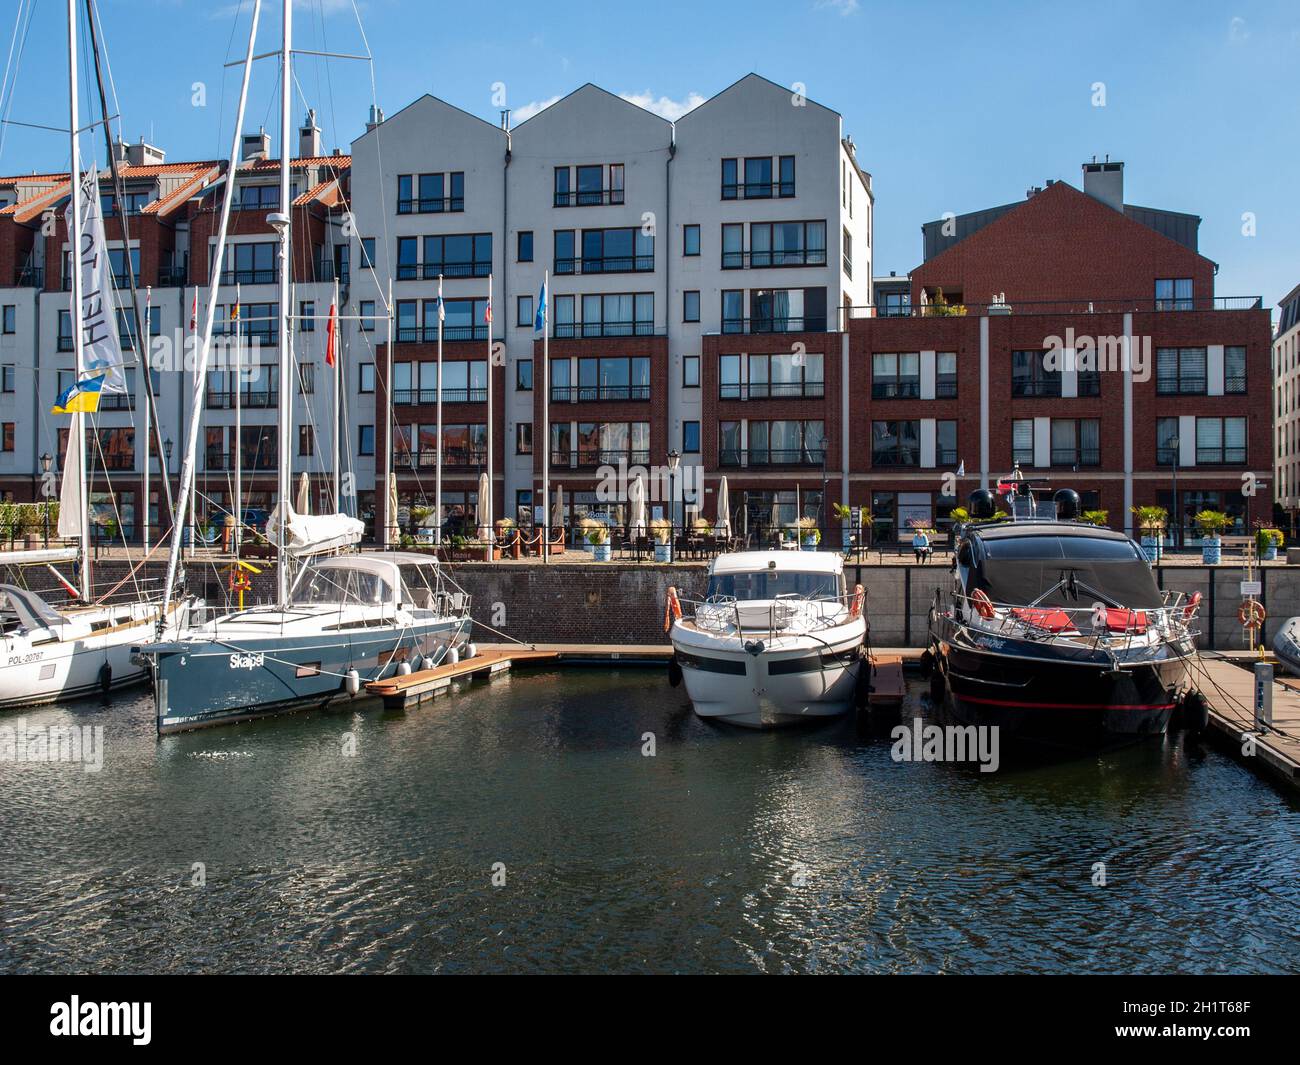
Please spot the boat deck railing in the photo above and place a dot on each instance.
(791, 615)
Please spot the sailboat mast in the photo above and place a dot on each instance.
(336, 354)
(78, 427)
(287, 388)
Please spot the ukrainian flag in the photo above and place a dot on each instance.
(81, 397)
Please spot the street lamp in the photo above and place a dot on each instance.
(46, 462)
(674, 460)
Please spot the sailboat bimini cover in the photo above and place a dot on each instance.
(312, 534)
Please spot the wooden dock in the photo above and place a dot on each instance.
(1229, 689)
(887, 683)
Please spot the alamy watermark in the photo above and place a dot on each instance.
(1088, 354)
(48, 744)
(919, 742)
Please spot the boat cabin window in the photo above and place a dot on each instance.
(771, 583)
(418, 585)
(1059, 547)
(336, 585)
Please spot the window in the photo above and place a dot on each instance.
(259, 197)
(603, 378)
(895, 305)
(1220, 441)
(1167, 441)
(733, 310)
(790, 443)
(65, 331)
(7, 378)
(8, 437)
(730, 186)
(251, 264)
(605, 251)
(1031, 377)
(945, 375)
(1234, 370)
(523, 438)
(523, 311)
(1174, 294)
(776, 244)
(787, 176)
(690, 437)
(368, 252)
(367, 310)
(896, 376)
(792, 310)
(847, 262)
(691, 306)
(524, 246)
(590, 188)
(616, 314)
(1075, 442)
(365, 439)
(132, 203)
(896, 443)
(758, 178)
(691, 371)
(774, 376)
(1022, 441)
(1181, 371)
(430, 193)
(307, 316)
(600, 443)
(691, 240)
(366, 377)
(524, 375)
(10, 318)
(945, 443)
(306, 440)
(457, 255)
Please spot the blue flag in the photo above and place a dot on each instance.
(539, 322)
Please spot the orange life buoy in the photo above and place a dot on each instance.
(983, 604)
(1251, 613)
(1192, 605)
(672, 608)
(859, 595)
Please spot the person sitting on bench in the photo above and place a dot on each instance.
(921, 546)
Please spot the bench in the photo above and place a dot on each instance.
(1243, 544)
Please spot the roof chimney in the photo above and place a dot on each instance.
(256, 145)
(138, 154)
(376, 117)
(309, 146)
(1104, 181)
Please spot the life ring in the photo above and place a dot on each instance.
(672, 608)
(983, 604)
(1192, 605)
(859, 596)
(1251, 613)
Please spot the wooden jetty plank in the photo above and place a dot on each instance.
(485, 661)
(1230, 692)
(887, 680)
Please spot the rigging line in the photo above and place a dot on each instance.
(9, 89)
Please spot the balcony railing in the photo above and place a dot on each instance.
(768, 457)
(906, 388)
(945, 388)
(432, 271)
(429, 396)
(116, 401)
(258, 399)
(774, 325)
(603, 329)
(269, 276)
(1085, 456)
(266, 337)
(171, 277)
(1166, 456)
(1234, 385)
(1088, 384)
(609, 264)
(431, 205)
(65, 343)
(29, 277)
(459, 458)
(258, 460)
(758, 260)
(756, 190)
(1220, 456)
(1181, 386)
(1029, 389)
(1080, 306)
(414, 334)
(599, 393)
(910, 458)
(589, 459)
(773, 390)
(945, 456)
(589, 198)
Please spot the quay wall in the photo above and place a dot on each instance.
(624, 603)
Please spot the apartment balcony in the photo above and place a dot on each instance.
(609, 264)
(1220, 456)
(1045, 389)
(599, 393)
(758, 390)
(259, 399)
(589, 198)
(431, 205)
(429, 396)
(452, 458)
(906, 388)
(753, 326)
(570, 330)
(757, 190)
(593, 458)
(1087, 456)
(759, 260)
(116, 401)
(266, 337)
(766, 457)
(1183, 386)
(1080, 306)
(945, 388)
(429, 334)
(172, 277)
(29, 277)
(432, 271)
(215, 460)
(269, 276)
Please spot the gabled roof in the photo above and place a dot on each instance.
(33, 206)
(337, 162)
(166, 204)
(326, 192)
(586, 90)
(434, 99)
(750, 82)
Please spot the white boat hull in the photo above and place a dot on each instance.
(793, 679)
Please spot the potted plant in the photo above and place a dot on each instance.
(598, 538)
(1151, 522)
(1267, 541)
(852, 521)
(662, 531)
(809, 535)
(1095, 517)
(508, 534)
(1211, 523)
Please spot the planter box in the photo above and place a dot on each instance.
(1211, 550)
(1269, 554)
(663, 552)
(1151, 548)
(600, 552)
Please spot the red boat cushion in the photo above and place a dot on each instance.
(1121, 620)
(1052, 620)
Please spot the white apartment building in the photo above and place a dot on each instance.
(1286, 404)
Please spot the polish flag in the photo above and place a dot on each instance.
(194, 312)
(331, 335)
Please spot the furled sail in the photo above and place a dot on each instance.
(102, 348)
(312, 534)
(72, 520)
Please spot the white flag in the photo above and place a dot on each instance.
(101, 348)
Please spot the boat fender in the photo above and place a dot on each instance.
(1196, 713)
(105, 678)
(672, 608)
(674, 672)
(859, 596)
(453, 656)
(1192, 605)
(403, 669)
(754, 647)
(471, 651)
(427, 663)
(983, 604)
(352, 681)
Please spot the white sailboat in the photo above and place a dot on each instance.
(53, 653)
(343, 619)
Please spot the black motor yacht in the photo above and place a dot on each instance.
(1055, 630)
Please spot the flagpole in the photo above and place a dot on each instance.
(437, 484)
(491, 486)
(142, 340)
(194, 391)
(546, 418)
(332, 343)
(78, 427)
(239, 427)
(389, 418)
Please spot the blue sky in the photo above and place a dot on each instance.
(954, 106)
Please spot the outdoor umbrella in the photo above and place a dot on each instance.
(390, 520)
(724, 507)
(303, 505)
(484, 507)
(637, 523)
(557, 510)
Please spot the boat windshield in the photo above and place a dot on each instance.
(770, 583)
(338, 586)
(1056, 548)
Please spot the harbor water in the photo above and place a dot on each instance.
(586, 820)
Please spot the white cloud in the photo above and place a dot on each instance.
(1237, 29)
(523, 114)
(844, 7)
(664, 106)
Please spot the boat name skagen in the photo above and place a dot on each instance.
(53, 743)
(920, 742)
(103, 1018)
(251, 661)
